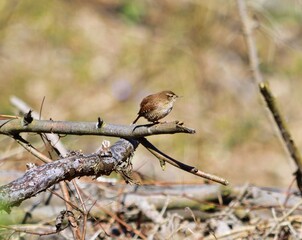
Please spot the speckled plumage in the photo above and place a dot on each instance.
(156, 106)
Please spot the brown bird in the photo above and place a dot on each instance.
(156, 106)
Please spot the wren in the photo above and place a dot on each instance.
(156, 106)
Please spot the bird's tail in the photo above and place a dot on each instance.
(136, 119)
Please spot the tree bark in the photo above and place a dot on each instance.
(39, 178)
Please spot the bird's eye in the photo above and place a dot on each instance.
(169, 95)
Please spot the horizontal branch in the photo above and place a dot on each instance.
(38, 179)
(19, 125)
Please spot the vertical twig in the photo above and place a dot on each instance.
(85, 212)
(74, 225)
(266, 92)
(53, 138)
(55, 143)
(251, 46)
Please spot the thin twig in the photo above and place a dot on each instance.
(251, 46)
(266, 93)
(54, 141)
(74, 225)
(31, 149)
(115, 217)
(295, 207)
(286, 136)
(23, 107)
(85, 215)
(162, 156)
(24, 229)
(66, 201)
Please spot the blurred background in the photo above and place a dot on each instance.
(99, 58)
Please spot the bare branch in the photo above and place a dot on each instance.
(38, 179)
(32, 149)
(57, 145)
(53, 138)
(285, 133)
(17, 126)
(116, 158)
(164, 157)
(266, 92)
(247, 28)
